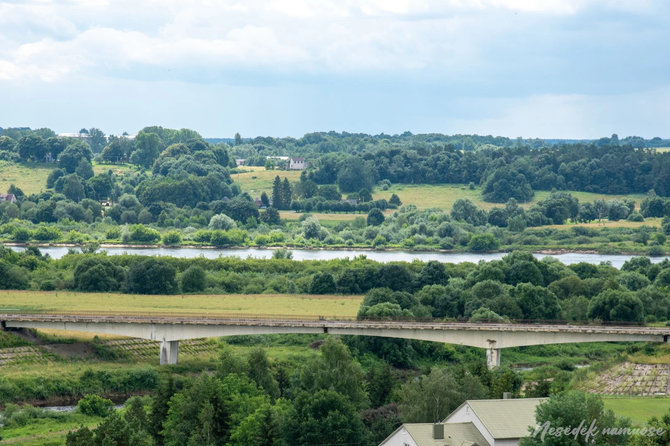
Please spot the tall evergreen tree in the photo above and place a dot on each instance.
(277, 193)
(286, 193)
(159, 408)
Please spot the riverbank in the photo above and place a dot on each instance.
(382, 256)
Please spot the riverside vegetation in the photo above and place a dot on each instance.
(173, 187)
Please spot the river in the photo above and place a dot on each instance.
(328, 254)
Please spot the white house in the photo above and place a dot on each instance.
(297, 164)
(474, 423)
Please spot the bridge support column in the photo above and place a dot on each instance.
(492, 355)
(169, 352)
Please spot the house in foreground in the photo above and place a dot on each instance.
(474, 423)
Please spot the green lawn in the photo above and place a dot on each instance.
(46, 431)
(639, 409)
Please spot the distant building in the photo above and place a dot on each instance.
(8, 197)
(474, 423)
(239, 161)
(297, 164)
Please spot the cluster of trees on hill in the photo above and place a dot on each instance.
(504, 172)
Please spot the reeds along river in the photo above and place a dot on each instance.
(328, 254)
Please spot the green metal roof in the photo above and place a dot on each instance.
(506, 418)
(455, 434)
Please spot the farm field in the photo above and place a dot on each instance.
(118, 169)
(638, 409)
(212, 305)
(30, 178)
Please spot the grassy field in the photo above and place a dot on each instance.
(443, 196)
(118, 169)
(639, 409)
(323, 216)
(256, 180)
(213, 305)
(30, 178)
(46, 431)
(652, 222)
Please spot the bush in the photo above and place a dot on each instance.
(140, 233)
(46, 233)
(172, 238)
(95, 405)
(21, 235)
(483, 242)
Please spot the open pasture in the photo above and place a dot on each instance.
(30, 178)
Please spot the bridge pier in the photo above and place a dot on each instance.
(492, 357)
(169, 352)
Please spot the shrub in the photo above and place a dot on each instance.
(95, 405)
(151, 276)
(172, 238)
(322, 283)
(141, 233)
(483, 242)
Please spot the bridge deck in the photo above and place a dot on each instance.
(329, 323)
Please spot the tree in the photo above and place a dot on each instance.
(464, 209)
(151, 276)
(265, 201)
(355, 175)
(159, 408)
(286, 194)
(238, 139)
(536, 302)
(433, 273)
(334, 369)
(193, 279)
(147, 149)
(615, 305)
(364, 195)
(375, 217)
(73, 188)
(222, 221)
(379, 381)
(322, 283)
(571, 409)
(74, 153)
(32, 148)
(97, 139)
(270, 216)
(260, 371)
(84, 169)
(483, 242)
(395, 200)
(277, 196)
(98, 274)
(434, 396)
(323, 417)
(95, 405)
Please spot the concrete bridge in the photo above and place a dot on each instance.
(492, 337)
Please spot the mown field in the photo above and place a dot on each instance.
(212, 305)
(30, 178)
(443, 196)
(639, 409)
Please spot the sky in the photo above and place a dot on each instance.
(529, 68)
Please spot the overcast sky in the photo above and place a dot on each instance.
(531, 68)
